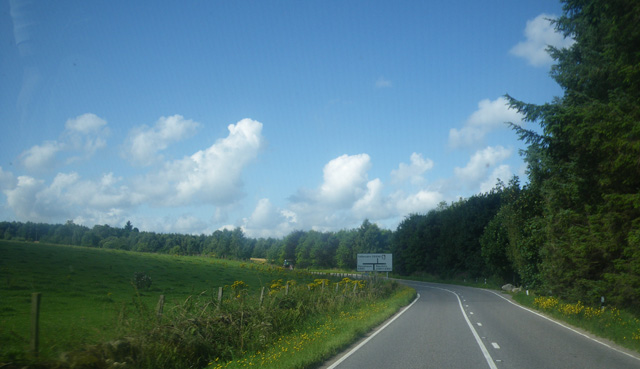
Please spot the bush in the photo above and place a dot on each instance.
(141, 280)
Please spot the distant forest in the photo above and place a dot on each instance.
(572, 230)
(444, 243)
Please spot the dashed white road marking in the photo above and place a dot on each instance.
(495, 345)
(471, 313)
(479, 324)
(564, 326)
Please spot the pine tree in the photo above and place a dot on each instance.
(589, 154)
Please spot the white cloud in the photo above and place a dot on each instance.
(503, 172)
(344, 199)
(7, 181)
(211, 176)
(383, 83)
(143, 143)
(68, 197)
(539, 34)
(345, 179)
(420, 202)
(22, 198)
(344, 195)
(372, 204)
(86, 124)
(84, 134)
(412, 172)
(489, 116)
(268, 221)
(187, 224)
(40, 157)
(480, 163)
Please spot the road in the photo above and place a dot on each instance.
(462, 327)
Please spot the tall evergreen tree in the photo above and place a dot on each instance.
(588, 154)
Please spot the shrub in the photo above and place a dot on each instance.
(141, 280)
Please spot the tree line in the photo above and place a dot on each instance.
(442, 243)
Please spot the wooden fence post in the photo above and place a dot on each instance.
(219, 296)
(160, 307)
(35, 322)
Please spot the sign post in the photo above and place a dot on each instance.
(375, 263)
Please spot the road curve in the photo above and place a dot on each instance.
(462, 327)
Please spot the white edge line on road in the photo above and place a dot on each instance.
(485, 352)
(334, 365)
(564, 326)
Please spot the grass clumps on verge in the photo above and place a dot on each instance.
(292, 326)
(607, 322)
(321, 338)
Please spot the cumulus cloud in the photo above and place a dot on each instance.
(412, 172)
(344, 199)
(480, 163)
(7, 181)
(86, 124)
(503, 173)
(186, 224)
(539, 35)
(344, 195)
(345, 179)
(489, 116)
(22, 198)
(210, 176)
(419, 202)
(82, 137)
(269, 221)
(373, 204)
(67, 197)
(41, 156)
(143, 143)
(86, 133)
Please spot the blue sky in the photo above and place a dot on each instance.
(191, 116)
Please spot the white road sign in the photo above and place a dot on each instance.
(375, 263)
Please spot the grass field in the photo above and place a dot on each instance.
(84, 290)
(90, 302)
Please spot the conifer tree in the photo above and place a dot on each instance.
(588, 155)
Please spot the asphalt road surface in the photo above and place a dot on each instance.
(461, 327)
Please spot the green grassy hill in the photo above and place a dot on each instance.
(86, 290)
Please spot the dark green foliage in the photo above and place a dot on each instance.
(141, 280)
(445, 242)
(511, 242)
(587, 158)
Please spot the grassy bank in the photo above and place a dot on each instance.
(323, 337)
(608, 322)
(100, 308)
(85, 290)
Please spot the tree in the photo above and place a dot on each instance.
(588, 155)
